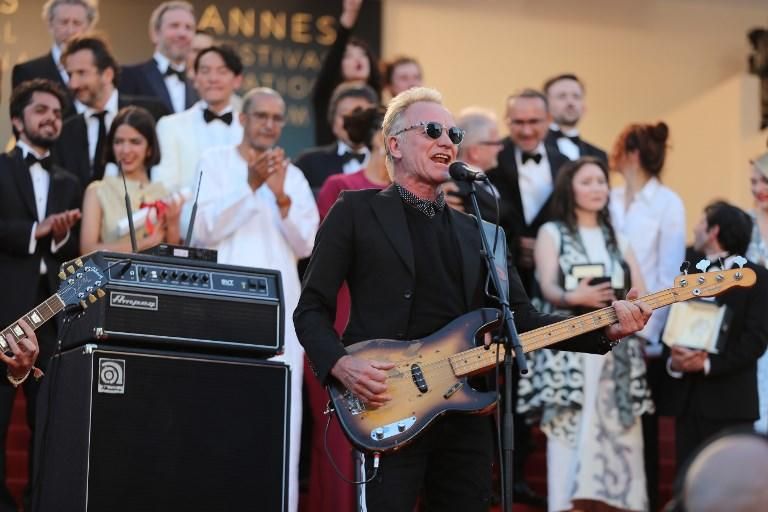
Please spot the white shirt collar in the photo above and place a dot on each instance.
(344, 148)
(110, 107)
(648, 192)
(56, 54)
(539, 149)
(202, 105)
(26, 149)
(573, 132)
(163, 63)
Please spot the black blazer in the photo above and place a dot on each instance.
(145, 79)
(319, 163)
(505, 178)
(19, 270)
(42, 67)
(729, 391)
(585, 148)
(365, 241)
(71, 149)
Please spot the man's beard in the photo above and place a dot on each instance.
(40, 140)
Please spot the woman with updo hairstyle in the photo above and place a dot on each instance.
(651, 217)
(349, 59)
(131, 144)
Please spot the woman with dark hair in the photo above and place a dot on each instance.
(349, 59)
(327, 492)
(132, 144)
(589, 406)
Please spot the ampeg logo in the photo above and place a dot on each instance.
(133, 301)
(111, 376)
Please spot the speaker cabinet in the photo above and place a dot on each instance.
(126, 430)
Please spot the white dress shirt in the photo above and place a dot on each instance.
(41, 182)
(177, 89)
(654, 224)
(246, 228)
(535, 180)
(93, 123)
(353, 165)
(56, 54)
(566, 146)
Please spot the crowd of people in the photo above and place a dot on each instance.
(390, 246)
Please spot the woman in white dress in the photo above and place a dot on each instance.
(758, 253)
(588, 405)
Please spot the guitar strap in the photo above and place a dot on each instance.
(498, 243)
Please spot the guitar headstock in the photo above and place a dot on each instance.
(711, 284)
(81, 283)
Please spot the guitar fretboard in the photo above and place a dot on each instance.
(480, 358)
(35, 318)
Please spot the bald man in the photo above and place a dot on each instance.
(729, 474)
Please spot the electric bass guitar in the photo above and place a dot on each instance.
(430, 376)
(81, 285)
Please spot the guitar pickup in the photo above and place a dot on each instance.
(418, 378)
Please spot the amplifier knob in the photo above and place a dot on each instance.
(205, 278)
(184, 276)
(194, 278)
(164, 274)
(174, 275)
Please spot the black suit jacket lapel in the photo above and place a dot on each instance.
(157, 82)
(508, 164)
(190, 95)
(388, 208)
(467, 234)
(24, 182)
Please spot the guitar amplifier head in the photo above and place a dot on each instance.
(167, 302)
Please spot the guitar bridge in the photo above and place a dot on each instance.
(354, 405)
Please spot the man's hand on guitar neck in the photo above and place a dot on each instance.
(365, 378)
(632, 316)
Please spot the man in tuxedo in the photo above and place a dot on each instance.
(565, 94)
(526, 175)
(93, 73)
(164, 76)
(343, 155)
(480, 150)
(39, 209)
(709, 393)
(210, 122)
(412, 267)
(65, 19)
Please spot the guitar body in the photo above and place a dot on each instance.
(423, 385)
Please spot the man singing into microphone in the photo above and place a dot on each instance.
(412, 266)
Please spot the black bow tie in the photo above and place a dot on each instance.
(560, 135)
(180, 74)
(349, 156)
(536, 157)
(44, 162)
(209, 116)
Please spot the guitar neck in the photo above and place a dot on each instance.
(479, 358)
(35, 318)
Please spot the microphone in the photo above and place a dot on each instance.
(188, 240)
(129, 210)
(460, 171)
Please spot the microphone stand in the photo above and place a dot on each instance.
(508, 335)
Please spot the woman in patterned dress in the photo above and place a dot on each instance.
(588, 405)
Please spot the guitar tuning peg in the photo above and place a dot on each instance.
(83, 304)
(703, 265)
(100, 293)
(92, 298)
(740, 261)
(684, 267)
(71, 269)
(79, 262)
(62, 275)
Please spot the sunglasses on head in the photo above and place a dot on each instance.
(434, 130)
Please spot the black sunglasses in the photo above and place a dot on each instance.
(434, 130)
